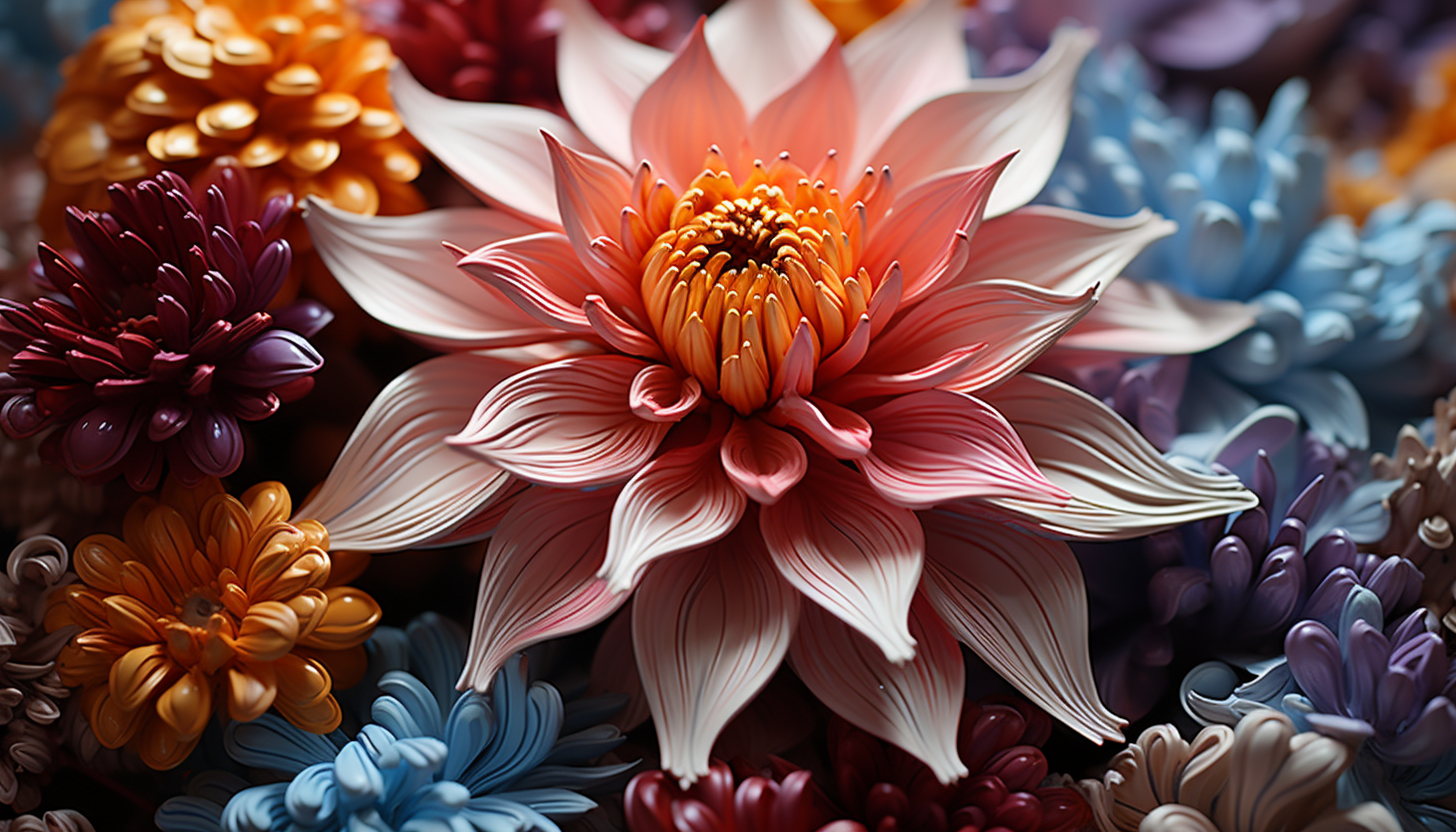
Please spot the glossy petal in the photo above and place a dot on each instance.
(762, 460)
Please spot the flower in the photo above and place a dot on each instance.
(208, 601)
(1423, 506)
(294, 89)
(61, 820)
(1258, 777)
(515, 760)
(1227, 588)
(1414, 794)
(29, 684)
(656, 803)
(487, 50)
(35, 35)
(155, 341)
(780, 399)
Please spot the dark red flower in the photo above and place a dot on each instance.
(153, 340)
(505, 50)
(655, 803)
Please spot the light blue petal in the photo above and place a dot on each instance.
(1328, 402)
(466, 732)
(557, 804)
(527, 723)
(494, 814)
(409, 709)
(312, 797)
(575, 778)
(259, 809)
(358, 778)
(271, 742)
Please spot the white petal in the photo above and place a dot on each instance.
(1148, 318)
(744, 32)
(602, 73)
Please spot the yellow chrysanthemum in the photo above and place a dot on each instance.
(293, 88)
(210, 600)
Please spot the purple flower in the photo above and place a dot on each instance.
(1396, 690)
(154, 341)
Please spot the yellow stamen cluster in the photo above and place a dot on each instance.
(742, 269)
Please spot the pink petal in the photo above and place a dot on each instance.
(711, 630)
(915, 704)
(681, 500)
(1029, 113)
(1147, 318)
(742, 32)
(936, 446)
(1016, 322)
(687, 110)
(927, 231)
(622, 336)
(396, 484)
(495, 149)
(660, 394)
(912, 55)
(849, 354)
(565, 423)
(602, 73)
(540, 274)
(849, 551)
(1121, 487)
(838, 430)
(812, 117)
(762, 460)
(1066, 251)
(591, 193)
(1019, 601)
(398, 271)
(539, 579)
(858, 386)
(795, 373)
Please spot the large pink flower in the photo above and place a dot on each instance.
(788, 291)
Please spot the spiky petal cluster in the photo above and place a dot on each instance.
(502, 50)
(761, 362)
(887, 790)
(157, 339)
(1258, 777)
(29, 683)
(295, 89)
(210, 604)
(429, 757)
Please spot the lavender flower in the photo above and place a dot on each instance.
(156, 341)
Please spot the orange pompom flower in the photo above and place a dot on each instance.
(293, 88)
(210, 600)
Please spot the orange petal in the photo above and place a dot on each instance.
(268, 502)
(252, 689)
(182, 645)
(268, 632)
(161, 746)
(171, 545)
(318, 538)
(139, 674)
(188, 502)
(319, 718)
(309, 571)
(141, 583)
(225, 521)
(75, 605)
(133, 528)
(310, 606)
(346, 668)
(187, 705)
(345, 567)
(270, 551)
(112, 726)
(87, 664)
(301, 682)
(349, 620)
(131, 619)
(216, 652)
(98, 561)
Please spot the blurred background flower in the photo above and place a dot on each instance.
(35, 36)
(210, 604)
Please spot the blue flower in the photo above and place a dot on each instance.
(431, 757)
(1343, 316)
(34, 36)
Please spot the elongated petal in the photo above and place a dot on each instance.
(687, 110)
(1016, 322)
(539, 579)
(891, 80)
(928, 230)
(1121, 487)
(1147, 318)
(602, 73)
(711, 630)
(936, 446)
(678, 501)
(1019, 601)
(744, 31)
(541, 275)
(1029, 112)
(810, 118)
(591, 192)
(843, 433)
(762, 460)
(1054, 248)
(914, 704)
(849, 551)
(396, 484)
(495, 149)
(565, 423)
(398, 271)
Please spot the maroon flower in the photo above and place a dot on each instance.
(505, 50)
(655, 803)
(153, 341)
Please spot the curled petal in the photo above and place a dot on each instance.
(539, 579)
(915, 704)
(762, 460)
(1019, 601)
(565, 423)
(541, 274)
(849, 551)
(187, 705)
(709, 634)
(660, 394)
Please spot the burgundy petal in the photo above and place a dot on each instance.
(213, 442)
(273, 359)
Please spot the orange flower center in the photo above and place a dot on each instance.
(198, 608)
(740, 269)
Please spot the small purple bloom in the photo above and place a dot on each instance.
(155, 338)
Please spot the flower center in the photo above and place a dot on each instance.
(741, 272)
(197, 609)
